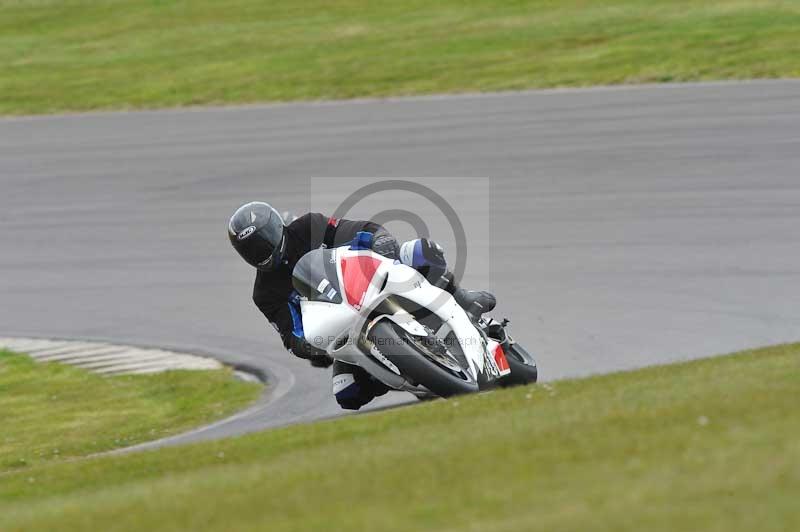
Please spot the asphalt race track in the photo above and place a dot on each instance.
(629, 226)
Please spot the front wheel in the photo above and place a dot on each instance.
(523, 367)
(422, 360)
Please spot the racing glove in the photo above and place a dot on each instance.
(425, 256)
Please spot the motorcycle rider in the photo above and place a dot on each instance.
(258, 233)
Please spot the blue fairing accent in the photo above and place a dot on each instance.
(362, 240)
(297, 317)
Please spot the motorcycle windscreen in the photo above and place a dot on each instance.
(314, 276)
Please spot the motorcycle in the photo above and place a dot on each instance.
(374, 312)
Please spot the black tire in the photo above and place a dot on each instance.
(523, 367)
(408, 353)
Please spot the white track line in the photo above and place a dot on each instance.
(107, 359)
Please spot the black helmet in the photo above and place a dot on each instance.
(256, 232)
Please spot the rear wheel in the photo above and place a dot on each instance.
(423, 360)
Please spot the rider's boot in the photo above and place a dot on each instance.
(427, 257)
(475, 302)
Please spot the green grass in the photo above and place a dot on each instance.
(51, 412)
(707, 445)
(95, 54)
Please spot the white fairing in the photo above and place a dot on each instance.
(326, 323)
(445, 307)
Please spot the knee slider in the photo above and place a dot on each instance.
(348, 392)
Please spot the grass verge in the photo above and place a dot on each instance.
(58, 55)
(53, 411)
(711, 444)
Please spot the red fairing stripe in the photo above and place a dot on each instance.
(358, 272)
(500, 360)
